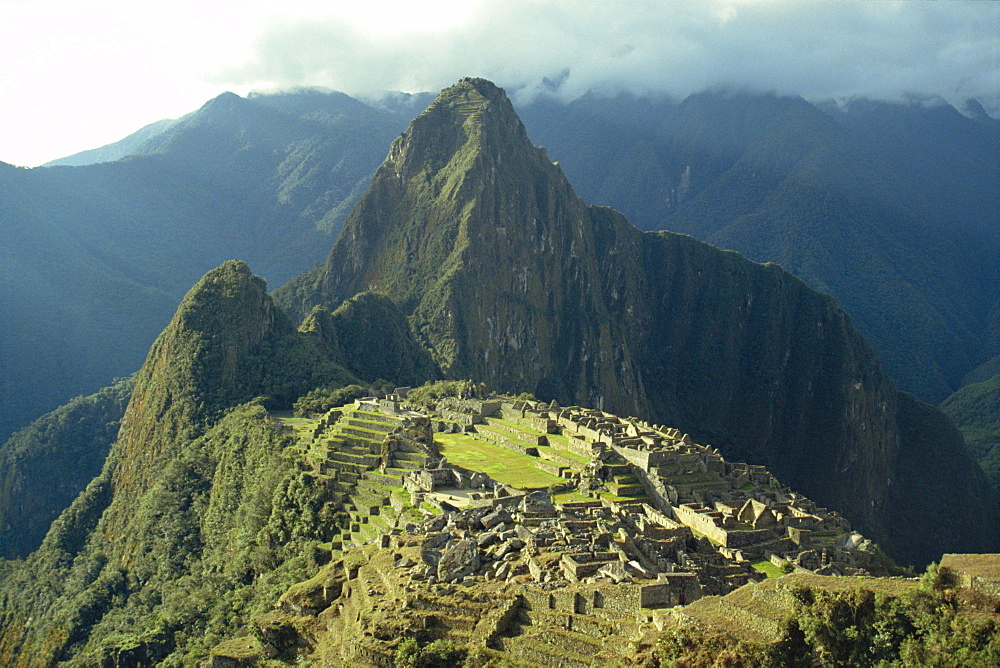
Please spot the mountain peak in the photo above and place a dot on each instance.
(471, 123)
(196, 367)
(451, 180)
(470, 96)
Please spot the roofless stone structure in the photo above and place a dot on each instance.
(632, 519)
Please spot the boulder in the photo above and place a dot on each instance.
(484, 540)
(435, 540)
(498, 516)
(459, 560)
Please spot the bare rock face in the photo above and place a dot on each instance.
(458, 561)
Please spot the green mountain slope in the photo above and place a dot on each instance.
(95, 258)
(976, 411)
(45, 465)
(198, 517)
(507, 277)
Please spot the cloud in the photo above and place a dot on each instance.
(817, 49)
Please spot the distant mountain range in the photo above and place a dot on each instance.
(95, 257)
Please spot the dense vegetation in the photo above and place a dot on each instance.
(226, 527)
(372, 337)
(860, 627)
(45, 465)
(976, 410)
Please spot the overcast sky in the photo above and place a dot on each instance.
(77, 74)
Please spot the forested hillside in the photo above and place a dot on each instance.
(45, 465)
(197, 517)
(976, 410)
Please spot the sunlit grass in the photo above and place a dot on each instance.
(503, 465)
(767, 568)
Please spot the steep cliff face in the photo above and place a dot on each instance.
(509, 278)
(751, 359)
(481, 241)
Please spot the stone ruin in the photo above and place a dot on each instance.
(700, 514)
(663, 521)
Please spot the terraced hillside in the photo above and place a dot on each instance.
(361, 457)
(544, 535)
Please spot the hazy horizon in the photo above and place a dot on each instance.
(83, 77)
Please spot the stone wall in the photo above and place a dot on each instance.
(985, 586)
(645, 459)
(498, 439)
(702, 523)
(550, 467)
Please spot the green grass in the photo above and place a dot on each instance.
(430, 507)
(518, 426)
(295, 422)
(568, 454)
(301, 427)
(566, 497)
(503, 465)
(512, 438)
(766, 567)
